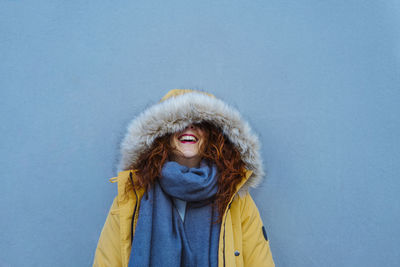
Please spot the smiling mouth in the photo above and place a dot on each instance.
(188, 139)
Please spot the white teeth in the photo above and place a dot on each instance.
(187, 138)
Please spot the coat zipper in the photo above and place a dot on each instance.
(223, 247)
(134, 211)
(229, 206)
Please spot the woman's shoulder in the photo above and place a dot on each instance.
(126, 189)
(244, 202)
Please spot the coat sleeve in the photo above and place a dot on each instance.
(108, 251)
(256, 250)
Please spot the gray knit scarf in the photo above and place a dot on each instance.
(161, 238)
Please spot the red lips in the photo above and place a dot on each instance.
(187, 141)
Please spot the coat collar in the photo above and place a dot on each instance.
(125, 188)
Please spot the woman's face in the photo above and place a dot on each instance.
(187, 146)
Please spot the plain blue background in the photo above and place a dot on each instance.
(319, 81)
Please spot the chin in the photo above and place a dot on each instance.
(190, 156)
(189, 153)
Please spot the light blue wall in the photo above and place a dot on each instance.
(318, 80)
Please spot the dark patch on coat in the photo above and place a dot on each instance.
(264, 233)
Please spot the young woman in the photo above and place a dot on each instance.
(187, 165)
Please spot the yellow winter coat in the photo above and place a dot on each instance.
(243, 239)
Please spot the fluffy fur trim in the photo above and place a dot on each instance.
(176, 113)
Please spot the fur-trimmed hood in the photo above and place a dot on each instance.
(175, 112)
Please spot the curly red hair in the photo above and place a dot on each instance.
(217, 149)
